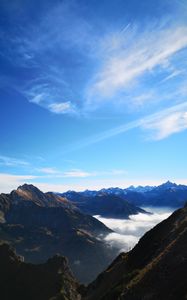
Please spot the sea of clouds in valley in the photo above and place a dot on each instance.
(129, 231)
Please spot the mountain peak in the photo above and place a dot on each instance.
(29, 192)
(28, 187)
(168, 184)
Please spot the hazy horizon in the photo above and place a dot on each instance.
(61, 189)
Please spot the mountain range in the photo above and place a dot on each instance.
(154, 269)
(167, 194)
(103, 204)
(39, 225)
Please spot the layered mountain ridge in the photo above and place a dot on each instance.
(167, 194)
(154, 269)
(105, 205)
(39, 225)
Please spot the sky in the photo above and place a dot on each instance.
(93, 93)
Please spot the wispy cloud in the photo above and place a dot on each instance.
(174, 117)
(173, 74)
(77, 173)
(51, 93)
(116, 172)
(132, 58)
(81, 173)
(77, 67)
(163, 127)
(55, 48)
(12, 161)
(48, 170)
(61, 108)
(55, 173)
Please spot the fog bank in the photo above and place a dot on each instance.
(129, 231)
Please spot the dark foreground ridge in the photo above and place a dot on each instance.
(51, 280)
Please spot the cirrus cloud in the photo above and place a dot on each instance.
(164, 127)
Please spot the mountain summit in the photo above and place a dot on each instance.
(39, 225)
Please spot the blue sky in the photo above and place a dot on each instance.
(93, 93)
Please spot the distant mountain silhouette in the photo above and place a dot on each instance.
(167, 194)
(103, 204)
(39, 225)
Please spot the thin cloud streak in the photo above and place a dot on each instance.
(150, 122)
(78, 173)
(12, 161)
(163, 127)
(51, 171)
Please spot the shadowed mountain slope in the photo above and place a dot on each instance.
(155, 268)
(103, 204)
(39, 225)
(51, 280)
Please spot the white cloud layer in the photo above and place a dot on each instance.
(128, 231)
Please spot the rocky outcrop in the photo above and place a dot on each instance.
(20, 280)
